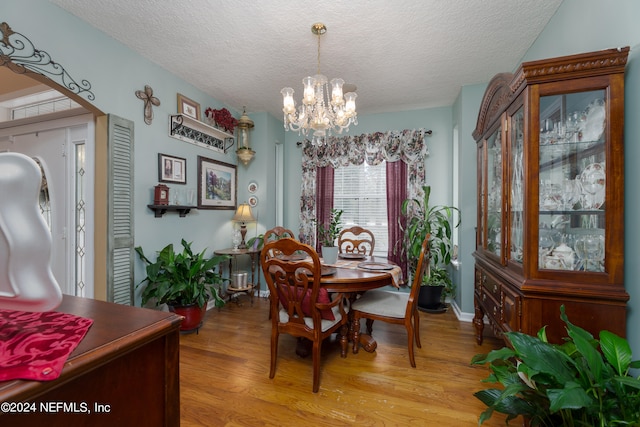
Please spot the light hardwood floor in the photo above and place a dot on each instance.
(224, 376)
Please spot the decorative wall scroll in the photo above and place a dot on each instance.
(20, 56)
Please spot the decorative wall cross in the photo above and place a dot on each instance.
(149, 101)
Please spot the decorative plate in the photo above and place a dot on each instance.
(352, 256)
(252, 187)
(253, 201)
(372, 265)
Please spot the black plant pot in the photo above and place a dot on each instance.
(430, 299)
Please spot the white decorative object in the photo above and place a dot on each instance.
(26, 280)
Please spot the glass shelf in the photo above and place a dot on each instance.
(572, 182)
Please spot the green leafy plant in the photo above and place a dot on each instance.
(181, 279)
(328, 233)
(252, 241)
(423, 219)
(582, 382)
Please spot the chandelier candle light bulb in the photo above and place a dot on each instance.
(319, 114)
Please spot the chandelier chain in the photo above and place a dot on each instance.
(319, 35)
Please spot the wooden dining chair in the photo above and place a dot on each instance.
(393, 307)
(277, 233)
(356, 240)
(298, 304)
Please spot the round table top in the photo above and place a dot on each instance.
(356, 280)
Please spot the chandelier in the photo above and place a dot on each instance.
(319, 112)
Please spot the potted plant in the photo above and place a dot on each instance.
(256, 242)
(583, 382)
(423, 219)
(184, 281)
(328, 234)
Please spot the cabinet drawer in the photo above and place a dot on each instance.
(491, 286)
(511, 307)
(491, 307)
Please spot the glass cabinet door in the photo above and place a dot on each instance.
(480, 232)
(572, 182)
(516, 154)
(494, 192)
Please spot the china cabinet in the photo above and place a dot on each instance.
(550, 197)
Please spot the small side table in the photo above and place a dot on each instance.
(254, 255)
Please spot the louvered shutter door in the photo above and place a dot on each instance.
(120, 250)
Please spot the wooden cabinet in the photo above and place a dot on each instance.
(551, 197)
(125, 371)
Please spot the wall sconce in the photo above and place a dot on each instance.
(244, 151)
(243, 215)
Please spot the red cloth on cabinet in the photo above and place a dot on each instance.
(36, 345)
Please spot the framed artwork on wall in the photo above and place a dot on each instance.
(188, 107)
(172, 169)
(217, 184)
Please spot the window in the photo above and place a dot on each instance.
(361, 192)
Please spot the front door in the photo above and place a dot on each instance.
(65, 150)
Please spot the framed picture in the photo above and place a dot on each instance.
(217, 184)
(188, 107)
(172, 169)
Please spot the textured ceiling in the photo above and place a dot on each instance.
(401, 54)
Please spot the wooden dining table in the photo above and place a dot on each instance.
(348, 278)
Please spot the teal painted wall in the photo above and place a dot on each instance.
(465, 114)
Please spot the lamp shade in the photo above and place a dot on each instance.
(243, 213)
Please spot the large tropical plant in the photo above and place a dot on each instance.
(182, 279)
(437, 221)
(582, 382)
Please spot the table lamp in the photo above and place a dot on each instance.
(243, 215)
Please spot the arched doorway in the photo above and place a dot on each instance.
(14, 76)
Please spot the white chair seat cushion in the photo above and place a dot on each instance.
(383, 303)
(324, 325)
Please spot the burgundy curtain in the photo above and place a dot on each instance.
(324, 198)
(396, 194)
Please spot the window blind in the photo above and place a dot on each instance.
(361, 192)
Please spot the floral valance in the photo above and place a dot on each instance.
(407, 145)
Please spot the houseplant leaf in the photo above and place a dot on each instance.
(616, 350)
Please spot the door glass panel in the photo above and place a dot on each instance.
(572, 182)
(494, 192)
(516, 187)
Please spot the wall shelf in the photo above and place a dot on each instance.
(160, 210)
(196, 132)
